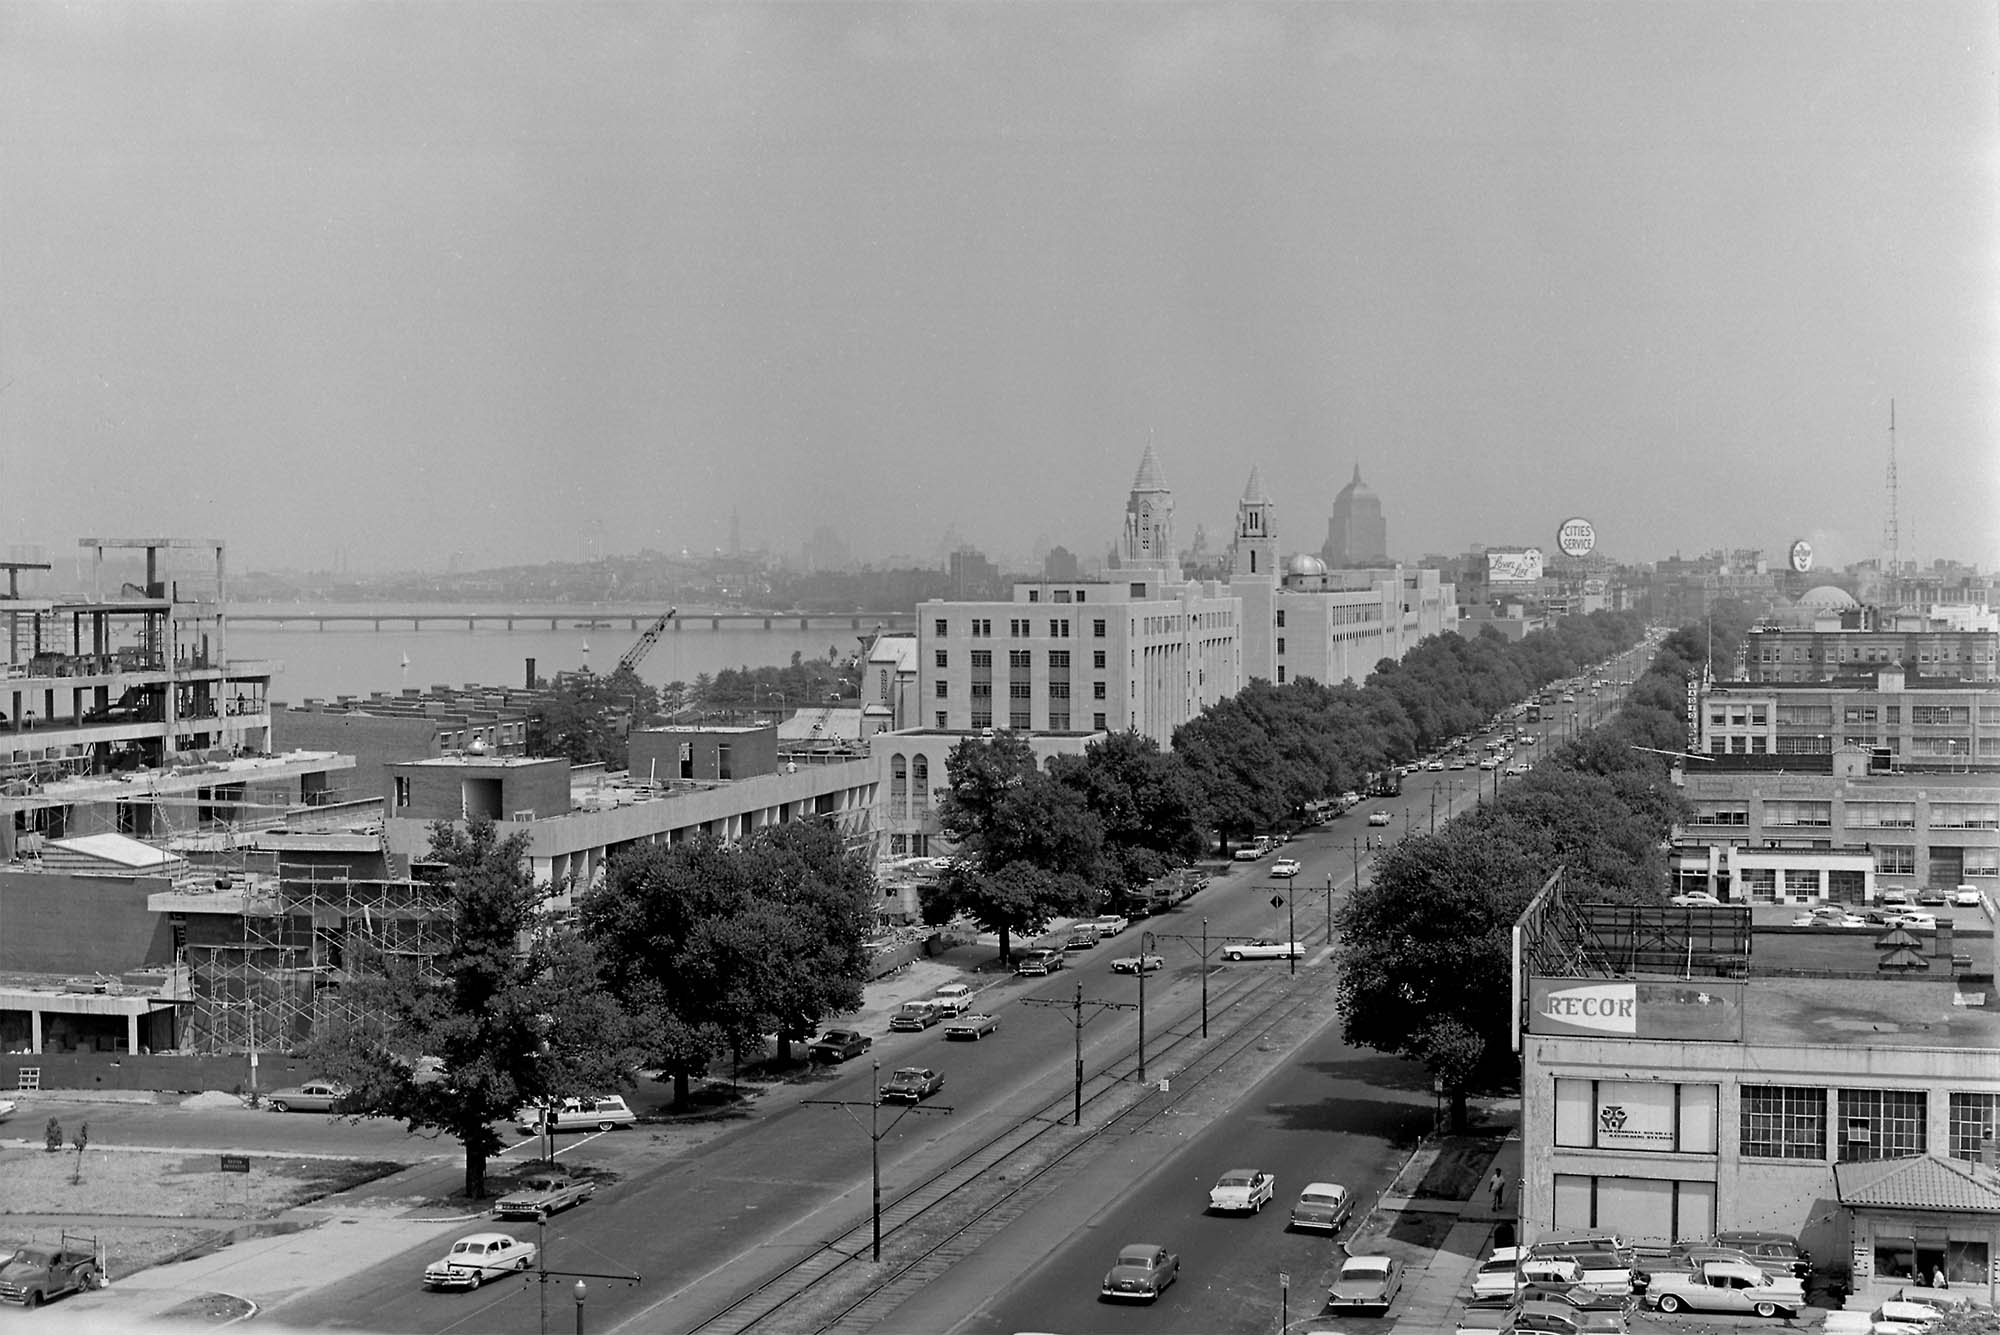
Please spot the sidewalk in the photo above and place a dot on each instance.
(1434, 1293)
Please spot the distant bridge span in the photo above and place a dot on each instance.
(864, 621)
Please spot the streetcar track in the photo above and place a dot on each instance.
(1265, 1000)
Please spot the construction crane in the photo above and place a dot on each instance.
(637, 653)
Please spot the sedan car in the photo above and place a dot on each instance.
(1322, 1205)
(917, 1016)
(7, 1107)
(837, 1045)
(1695, 899)
(1142, 1272)
(1378, 818)
(911, 1084)
(1499, 1275)
(478, 1257)
(1264, 950)
(1242, 1190)
(1285, 867)
(1248, 853)
(974, 1027)
(312, 1096)
(1138, 963)
(1366, 1283)
(1111, 924)
(1434, 767)
(1914, 921)
(1966, 897)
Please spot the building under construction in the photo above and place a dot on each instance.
(270, 954)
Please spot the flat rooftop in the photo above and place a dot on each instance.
(1921, 1011)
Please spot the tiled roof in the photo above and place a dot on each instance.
(1254, 493)
(1923, 1182)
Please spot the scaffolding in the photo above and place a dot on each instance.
(285, 980)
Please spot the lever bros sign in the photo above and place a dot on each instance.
(1703, 1010)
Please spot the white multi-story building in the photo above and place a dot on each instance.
(1146, 650)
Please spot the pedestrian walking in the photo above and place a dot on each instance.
(1938, 1281)
(1499, 1189)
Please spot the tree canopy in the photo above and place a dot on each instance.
(708, 946)
(511, 1012)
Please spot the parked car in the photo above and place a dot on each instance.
(1249, 853)
(915, 1017)
(1434, 767)
(1082, 936)
(602, 1112)
(1138, 963)
(837, 1045)
(1818, 918)
(1776, 1253)
(1263, 950)
(1142, 1271)
(1543, 1317)
(543, 1195)
(911, 1084)
(7, 1107)
(1499, 1275)
(1242, 1191)
(1967, 897)
(478, 1257)
(1725, 1286)
(1366, 1283)
(1036, 963)
(313, 1096)
(1914, 920)
(974, 1027)
(952, 999)
(1324, 1206)
(1111, 924)
(1893, 899)
(1285, 867)
(1933, 896)
(1378, 818)
(1695, 899)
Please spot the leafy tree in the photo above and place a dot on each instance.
(1027, 845)
(511, 1013)
(711, 945)
(1424, 952)
(1143, 801)
(585, 718)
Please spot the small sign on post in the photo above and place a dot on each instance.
(235, 1163)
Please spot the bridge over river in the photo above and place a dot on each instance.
(539, 620)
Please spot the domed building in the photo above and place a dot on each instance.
(1302, 618)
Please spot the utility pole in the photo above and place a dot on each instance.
(1203, 952)
(1329, 908)
(1434, 809)
(544, 1276)
(875, 1133)
(1077, 1019)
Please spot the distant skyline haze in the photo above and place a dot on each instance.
(417, 283)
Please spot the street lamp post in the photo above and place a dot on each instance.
(579, 1307)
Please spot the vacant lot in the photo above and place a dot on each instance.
(109, 1184)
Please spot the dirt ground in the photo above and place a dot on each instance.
(108, 1184)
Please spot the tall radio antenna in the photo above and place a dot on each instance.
(1891, 537)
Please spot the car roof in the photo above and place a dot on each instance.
(1330, 1188)
(484, 1237)
(1145, 1249)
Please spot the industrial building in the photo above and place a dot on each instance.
(1683, 1072)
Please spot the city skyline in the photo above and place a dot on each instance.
(398, 287)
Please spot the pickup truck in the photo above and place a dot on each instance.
(543, 1195)
(38, 1272)
(1725, 1286)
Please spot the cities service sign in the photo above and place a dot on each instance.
(1576, 537)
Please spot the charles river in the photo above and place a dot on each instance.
(353, 658)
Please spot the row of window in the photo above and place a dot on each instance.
(1773, 1121)
(982, 659)
(1017, 690)
(1021, 720)
(1020, 628)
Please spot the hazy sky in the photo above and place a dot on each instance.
(416, 279)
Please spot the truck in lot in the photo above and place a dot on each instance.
(41, 1271)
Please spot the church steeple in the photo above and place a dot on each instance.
(1148, 542)
(1254, 550)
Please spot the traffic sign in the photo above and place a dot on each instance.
(1277, 901)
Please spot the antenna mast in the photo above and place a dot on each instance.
(1891, 537)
